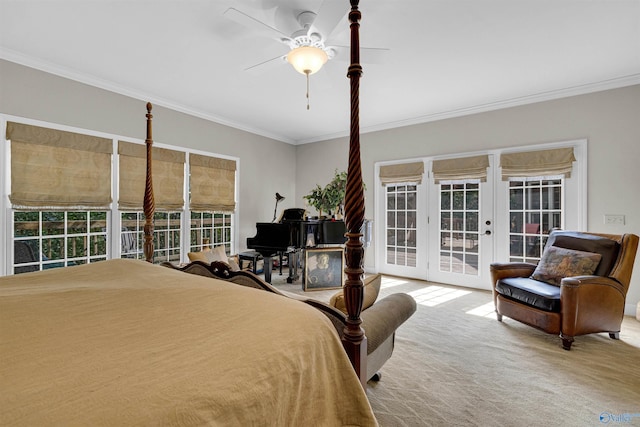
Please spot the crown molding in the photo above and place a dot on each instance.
(602, 85)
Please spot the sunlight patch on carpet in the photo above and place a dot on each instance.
(432, 296)
(390, 282)
(485, 310)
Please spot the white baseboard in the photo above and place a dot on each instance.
(632, 309)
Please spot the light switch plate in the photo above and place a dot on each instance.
(614, 219)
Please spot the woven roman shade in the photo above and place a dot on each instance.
(403, 172)
(167, 174)
(213, 183)
(463, 168)
(55, 169)
(557, 161)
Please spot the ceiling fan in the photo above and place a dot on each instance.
(309, 47)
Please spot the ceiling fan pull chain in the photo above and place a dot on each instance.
(307, 73)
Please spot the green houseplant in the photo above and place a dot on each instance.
(329, 199)
(316, 199)
(335, 192)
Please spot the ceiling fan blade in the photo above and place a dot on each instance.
(267, 65)
(255, 24)
(330, 14)
(368, 55)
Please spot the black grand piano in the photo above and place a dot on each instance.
(290, 236)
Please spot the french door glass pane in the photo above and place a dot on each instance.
(459, 227)
(401, 218)
(535, 208)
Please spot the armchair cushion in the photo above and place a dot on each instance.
(532, 292)
(371, 291)
(557, 263)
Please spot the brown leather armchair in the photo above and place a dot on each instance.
(576, 305)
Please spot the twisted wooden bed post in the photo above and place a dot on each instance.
(149, 203)
(354, 339)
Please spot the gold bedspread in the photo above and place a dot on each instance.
(124, 342)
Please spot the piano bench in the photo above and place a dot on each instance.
(252, 257)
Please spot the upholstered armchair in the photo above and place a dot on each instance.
(579, 286)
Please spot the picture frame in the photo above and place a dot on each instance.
(323, 268)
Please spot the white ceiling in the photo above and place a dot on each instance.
(446, 58)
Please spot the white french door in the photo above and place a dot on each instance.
(403, 230)
(461, 233)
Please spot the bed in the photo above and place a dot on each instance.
(90, 346)
(127, 342)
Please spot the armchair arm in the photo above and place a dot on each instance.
(379, 321)
(591, 304)
(382, 319)
(510, 269)
(596, 283)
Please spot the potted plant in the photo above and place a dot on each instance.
(335, 192)
(329, 199)
(316, 199)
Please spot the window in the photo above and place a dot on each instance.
(60, 195)
(536, 192)
(48, 239)
(535, 208)
(401, 217)
(68, 190)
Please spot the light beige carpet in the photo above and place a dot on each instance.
(454, 364)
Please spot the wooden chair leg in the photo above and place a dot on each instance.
(566, 342)
(499, 316)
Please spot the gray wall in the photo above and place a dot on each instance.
(609, 120)
(266, 165)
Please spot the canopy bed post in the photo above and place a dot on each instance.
(354, 339)
(149, 203)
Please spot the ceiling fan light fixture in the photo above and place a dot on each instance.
(307, 59)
